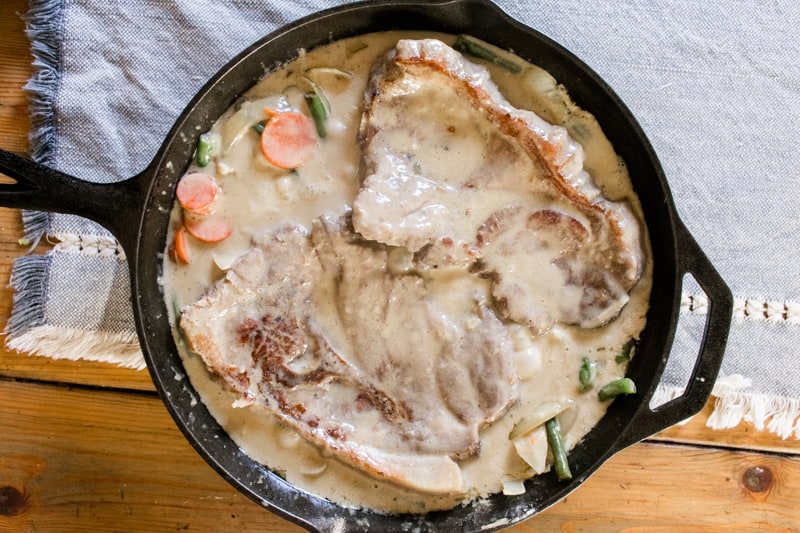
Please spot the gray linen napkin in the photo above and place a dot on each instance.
(714, 84)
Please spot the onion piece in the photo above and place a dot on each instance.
(330, 70)
(567, 418)
(542, 82)
(224, 261)
(513, 487)
(288, 438)
(314, 468)
(295, 96)
(532, 448)
(246, 117)
(538, 416)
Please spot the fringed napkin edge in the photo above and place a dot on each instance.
(733, 405)
(27, 330)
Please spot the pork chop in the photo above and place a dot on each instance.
(459, 176)
(389, 373)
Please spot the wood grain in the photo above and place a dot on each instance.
(103, 461)
(16, 70)
(743, 436)
(89, 461)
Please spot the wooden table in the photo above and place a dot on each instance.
(89, 446)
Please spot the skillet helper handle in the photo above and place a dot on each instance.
(691, 260)
(113, 206)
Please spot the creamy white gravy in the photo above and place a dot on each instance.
(257, 197)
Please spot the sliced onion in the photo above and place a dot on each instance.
(294, 96)
(224, 261)
(567, 418)
(288, 438)
(532, 448)
(528, 356)
(250, 114)
(538, 416)
(314, 468)
(330, 70)
(513, 487)
(542, 82)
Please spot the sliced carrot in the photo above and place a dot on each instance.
(196, 192)
(207, 228)
(179, 249)
(289, 139)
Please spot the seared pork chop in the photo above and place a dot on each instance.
(393, 374)
(459, 176)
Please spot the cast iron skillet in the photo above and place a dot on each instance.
(141, 227)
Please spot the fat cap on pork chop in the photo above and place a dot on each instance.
(370, 366)
(459, 176)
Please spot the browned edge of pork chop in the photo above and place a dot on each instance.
(428, 111)
(370, 366)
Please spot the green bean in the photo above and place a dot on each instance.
(556, 443)
(465, 45)
(318, 113)
(205, 149)
(587, 374)
(625, 352)
(616, 388)
(258, 127)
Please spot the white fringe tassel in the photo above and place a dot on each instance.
(778, 415)
(58, 343)
(732, 406)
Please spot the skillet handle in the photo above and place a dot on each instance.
(691, 259)
(114, 206)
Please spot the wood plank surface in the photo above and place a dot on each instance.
(89, 461)
(89, 447)
(15, 59)
(743, 436)
(102, 461)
